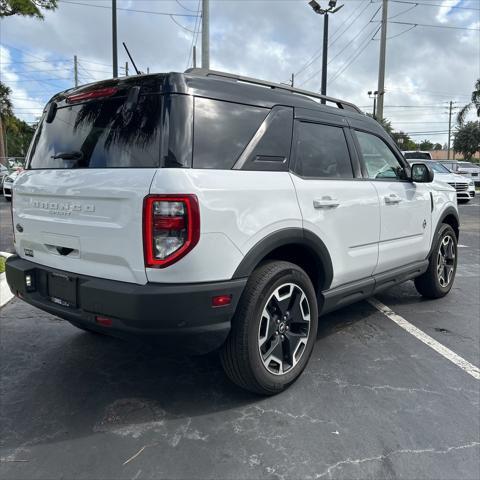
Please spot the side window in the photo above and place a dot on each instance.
(322, 152)
(378, 158)
(222, 130)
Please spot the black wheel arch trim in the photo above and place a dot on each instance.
(448, 211)
(288, 236)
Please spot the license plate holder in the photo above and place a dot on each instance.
(62, 289)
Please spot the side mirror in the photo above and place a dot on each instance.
(421, 173)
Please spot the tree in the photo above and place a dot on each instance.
(474, 103)
(403, 141)
(426, 145)
(6, 112)
(437, 146)
(26, 8)
(18, 134)
(467, 139)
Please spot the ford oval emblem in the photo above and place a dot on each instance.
(19, 228)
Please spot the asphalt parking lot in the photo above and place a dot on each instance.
(374, 402)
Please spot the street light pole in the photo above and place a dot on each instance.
(375, 93)
(332, 8)
(114, 39)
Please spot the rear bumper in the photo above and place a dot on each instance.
(180, 316)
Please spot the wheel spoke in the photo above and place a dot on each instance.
(284, 328)
(296, 309)
(291, 345)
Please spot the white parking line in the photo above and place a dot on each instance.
(422, 336)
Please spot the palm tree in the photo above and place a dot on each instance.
(475, 103)
(6, 111)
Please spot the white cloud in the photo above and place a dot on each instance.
(270, 40)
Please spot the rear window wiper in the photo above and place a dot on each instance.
(74, 155)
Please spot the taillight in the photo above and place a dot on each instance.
(91, 94)
(171, 228)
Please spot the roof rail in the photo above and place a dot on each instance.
(255, 81)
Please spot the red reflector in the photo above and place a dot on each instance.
(101, 92)
(168, 223)
(104, 321)
(221, 300)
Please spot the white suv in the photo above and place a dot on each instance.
(207, 211)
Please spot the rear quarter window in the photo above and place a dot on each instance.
(222, 130)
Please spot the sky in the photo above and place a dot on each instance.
(433, 50)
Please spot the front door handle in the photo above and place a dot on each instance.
(392, 199)
(326, 203)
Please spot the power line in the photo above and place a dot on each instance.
(180, 25)
(354, 38)
(32, 61)
(184, 7)
(431, 26)
(318, 53)
(356, 55)
(434, 5)
(197, 29)
(166, 14)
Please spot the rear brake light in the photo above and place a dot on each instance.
(99, 93)
(171, 228)
(103, 321)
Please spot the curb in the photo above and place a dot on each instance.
(5, 294)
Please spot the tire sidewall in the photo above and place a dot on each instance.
(262, 375)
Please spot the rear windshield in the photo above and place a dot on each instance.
(100, 134)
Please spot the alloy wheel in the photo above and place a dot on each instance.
(284, 328)
(446, 261)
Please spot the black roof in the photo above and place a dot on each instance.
(228, 87)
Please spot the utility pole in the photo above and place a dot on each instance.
(126, 69)
(332, 8)
(194, 56)
(381, 64)
(292, 81)
(323, 89)
(114, 39)
(206, 34)
(450, 108)
(75, 70)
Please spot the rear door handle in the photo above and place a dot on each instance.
(326, 203)
(392, 199)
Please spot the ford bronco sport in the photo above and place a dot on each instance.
(217, 212)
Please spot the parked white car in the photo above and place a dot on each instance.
(417, 155)
(209, 212)
(3, 173)
(8, 185)
(464, 186)
(467, 169)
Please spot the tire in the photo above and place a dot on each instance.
(259, 330)
(433, 284)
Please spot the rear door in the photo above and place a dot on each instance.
(337, 206)
(78, 206)
(405, 207)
